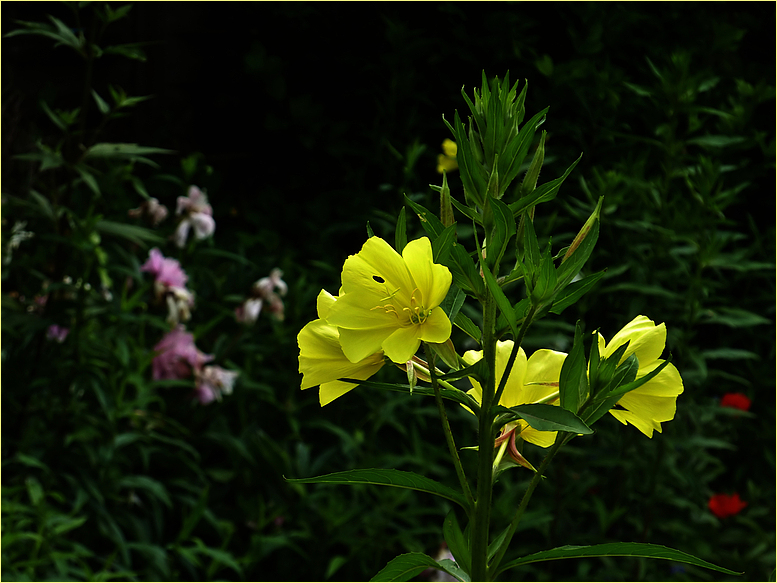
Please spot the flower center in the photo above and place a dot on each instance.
(416, 312)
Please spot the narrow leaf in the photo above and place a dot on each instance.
(456, 540)
(646, 550)
(551, 418)
(387, 477)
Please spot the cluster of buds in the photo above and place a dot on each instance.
(263, 293)
(196, 214)
(170, 286)
(177, 357)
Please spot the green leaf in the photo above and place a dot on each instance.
(574, 291)
(733, 317)
(453, 301)
(503, 231)
(405, 567)
(532, 175)
(429, 221)
(456, 541)
(729, 354)
(443, 245)
(501, 301)
(464, 271)
(88, 178)
(145, 483)
(387, 477)
(543, 193)
(646, 550)
(129, 50)
(456, 395)
(56, 119)
(400, 234)
(712, 141)
(121, 150)
(138, 235)
(101, 104)
(544, 417)
(466, 325)
(573, 382)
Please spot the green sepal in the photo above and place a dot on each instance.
(370, 233)
(446, 207)
(456, 541)
(400, 234)
(543, 417)
(573, 381)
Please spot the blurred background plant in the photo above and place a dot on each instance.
(109, 474)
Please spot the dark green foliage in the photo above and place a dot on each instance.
(300, 138)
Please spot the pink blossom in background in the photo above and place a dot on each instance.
(57, 333)
(177, 356)
(213, 382)
(165, 270)
(151, 209)
(267, 285)
(197, 214)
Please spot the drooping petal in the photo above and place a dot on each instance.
(321, 359)
(513, 394)
(359, 344)
(324, 303)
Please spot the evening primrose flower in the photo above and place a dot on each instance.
(531, 380)
(655, 401)
(321, 359)
(447, 161)
(390, 302)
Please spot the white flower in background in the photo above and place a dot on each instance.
(263, 293)
(197, 214)
(151, 209)
(213, 382)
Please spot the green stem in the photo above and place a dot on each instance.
(514, 352)
(493, 569)
(479, 536)
(447, 431)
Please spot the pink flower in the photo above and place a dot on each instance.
(57, 333)
(169, 283)
(213, 382)
(248, 311)
(736, 401)
(198, 214)
(177, 356)
(723, 505)
(165, 270)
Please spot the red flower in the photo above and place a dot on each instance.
(735, 401)
(723, 505)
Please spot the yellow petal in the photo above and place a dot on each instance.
(359, 344)
(379, 268)
(436, 328)
(324, 302)
(449, 147)
(402, 344)
(432, 279)
(542, 374)
(541, 438)
(513, 394)
(321, 358)
(646, 340)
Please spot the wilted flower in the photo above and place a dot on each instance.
(177, 356)
(447, 161)
(150, 209)
(57, 333)
(263, 293)
(723, 505)
(212, 382)
(321, 359)
(197, 213)
(736, 401)
(390, 302)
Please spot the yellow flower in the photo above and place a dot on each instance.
(447, 161)
(531, 380)
(655, 401)
(390, 302)
(321, 360)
